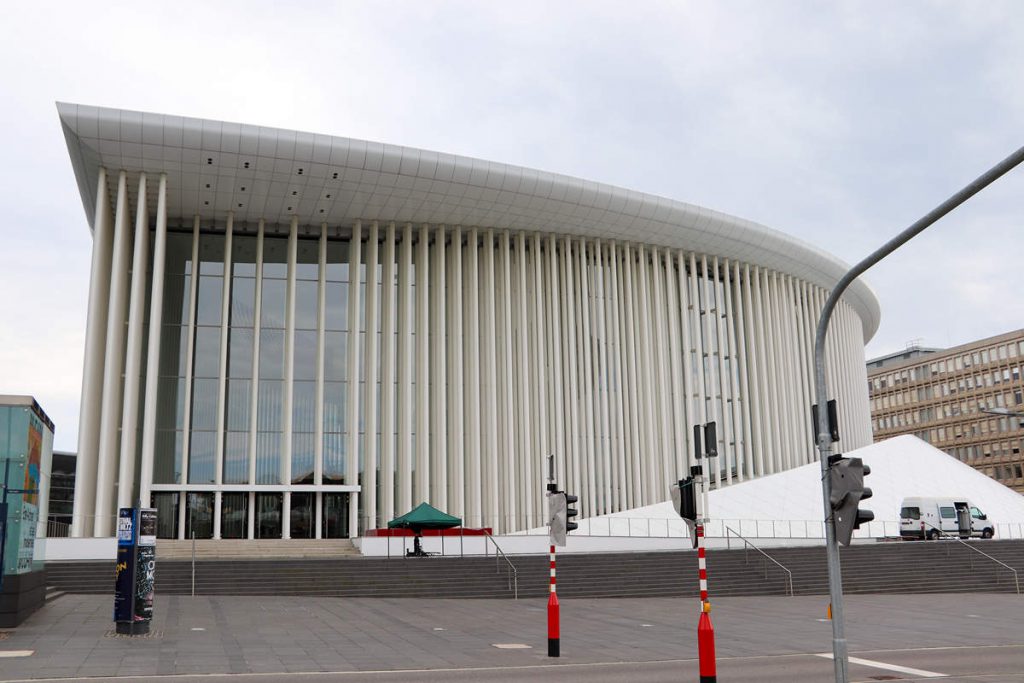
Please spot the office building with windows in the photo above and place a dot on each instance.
(302, 336)
(967, 401)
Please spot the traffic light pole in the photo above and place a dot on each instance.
(835, 581)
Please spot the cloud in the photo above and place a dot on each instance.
(839, 123)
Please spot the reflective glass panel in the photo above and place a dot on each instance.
(302, 515)
(335, 515)
(268, 515)
(234, 515)
(199, 515)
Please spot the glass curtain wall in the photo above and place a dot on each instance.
(271, 362)
(206, 361)
(241, 320)
(173, 360)
(307, 306)
(335, 362)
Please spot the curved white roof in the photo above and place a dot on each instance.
(214, 167)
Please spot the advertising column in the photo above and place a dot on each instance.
(135, 572)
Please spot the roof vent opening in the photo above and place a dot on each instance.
(294, 193)
(335, 176)
(321, 210)
(243, 188)
(206, 203)
(289, 208)
(245, 165)
(209, 161)
(328, 196)
(207, 186)
(300, 171)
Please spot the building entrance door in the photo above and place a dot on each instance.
(335, 517)
(268, 515)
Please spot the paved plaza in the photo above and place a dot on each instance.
(602, 639)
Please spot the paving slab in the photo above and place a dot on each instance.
(288, 634)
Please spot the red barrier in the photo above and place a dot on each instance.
(706, 648)
(429, 532)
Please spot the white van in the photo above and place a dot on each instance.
(929, 518)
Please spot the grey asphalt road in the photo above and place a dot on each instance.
(204, 639)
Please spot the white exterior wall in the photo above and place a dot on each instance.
(499, 348)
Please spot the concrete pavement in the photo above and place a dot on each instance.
(758, 639)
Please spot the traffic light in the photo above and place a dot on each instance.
(684, 500)
(847, 479)
(560, 516)
(570, 511)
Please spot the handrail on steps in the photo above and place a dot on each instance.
(789, 574)
(499, 554)
(943, 533)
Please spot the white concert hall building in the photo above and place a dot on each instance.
(294, 335)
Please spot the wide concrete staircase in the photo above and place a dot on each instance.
(264, 548)
(919, 567)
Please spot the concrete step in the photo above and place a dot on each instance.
(878, 568)
(256, 549)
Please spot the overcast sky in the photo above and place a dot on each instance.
(840, 123)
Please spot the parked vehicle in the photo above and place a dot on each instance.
(930, 518)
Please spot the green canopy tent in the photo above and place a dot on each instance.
(423, 516)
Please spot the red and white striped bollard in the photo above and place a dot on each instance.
(553, 616)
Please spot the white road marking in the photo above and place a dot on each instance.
(16, 653)
(512, 646)
(890, 667)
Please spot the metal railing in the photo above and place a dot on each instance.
(747, 544)
(512, 572)
(945, 534)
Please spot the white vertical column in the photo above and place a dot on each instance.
(686, 349)
(535, 461)
(741, 355)
(506, 391)
(701, 414)
(222, 374)
(662, 344)
(439, 370)
(92, 371)
(635, 473)
(369, 486)
(156, 311)
(387, 378)
(740, 440)
(766, 456)
(604, 377)
(648, 417)
(574, 471)
(726, 429)
(403, 470)
(190, 347)
(254, 395)
(622, 501)
(675, 356)
(113, 365)
(321, 368)
(488, 368)
(133, 352)
(422, 427)
(588, 497)
(456, 415)
(355, 259)
(555, 341)
(289, 377)
(749, 335)
(473, 510)
(523, 390)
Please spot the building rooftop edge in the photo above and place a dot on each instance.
(390, 182)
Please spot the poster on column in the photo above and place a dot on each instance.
(145, 565)
(124, 570)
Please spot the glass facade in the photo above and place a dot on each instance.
(222, 385)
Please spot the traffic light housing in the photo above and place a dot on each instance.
(846, 476)
(560, 516)
(570, 511)
(684, 501)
